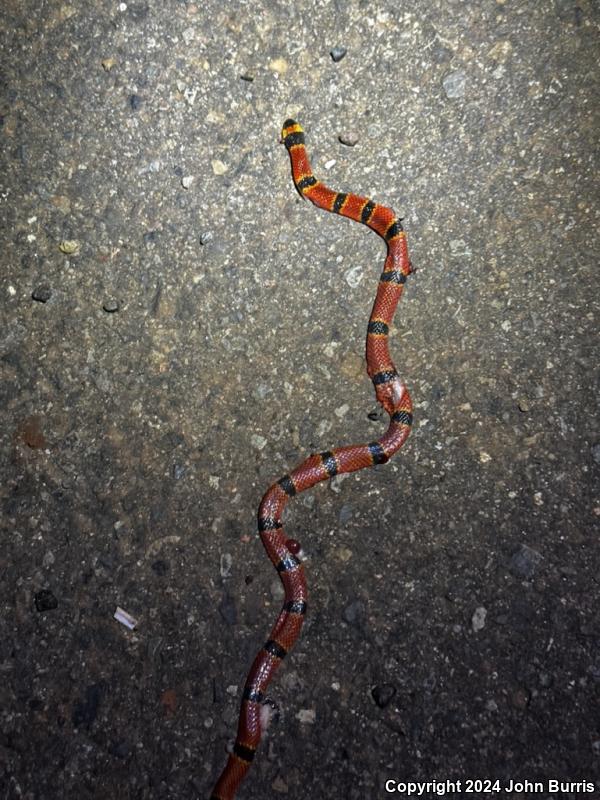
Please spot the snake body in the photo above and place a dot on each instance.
(395, 399)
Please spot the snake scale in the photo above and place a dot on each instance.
(390, 392)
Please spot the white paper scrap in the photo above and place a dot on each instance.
(125, 619)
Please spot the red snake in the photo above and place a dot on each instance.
(395, 399)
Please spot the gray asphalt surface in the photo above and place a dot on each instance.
(179, 329)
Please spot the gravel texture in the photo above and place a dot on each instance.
(179, 329)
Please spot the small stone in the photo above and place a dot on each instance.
(345, 515)
(501, 51)
(279, 65)
(383, 694)
(524, 562)
(225, 565)
(69, 247)
(187, 181)
(343, 554)
(42, 293)
(247, 76)
(135, 102)
(110, 305)
(262, 390)
(459, 248)
(189, 94)
(355, 613)
(188, 35)
(280, 786)
(349, 138)
(205, 237)
(153, 166)
(354, 276)
(454, 84)
(337, 53)
(45, 600)
(307, 716)
(523, 404)
(218, 167)
(258, 441)
(108, 64)
(178, 471)
(478, 619)
(342, 410)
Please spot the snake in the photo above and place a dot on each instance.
(285, 553)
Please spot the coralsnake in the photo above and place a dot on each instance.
(390, 392)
